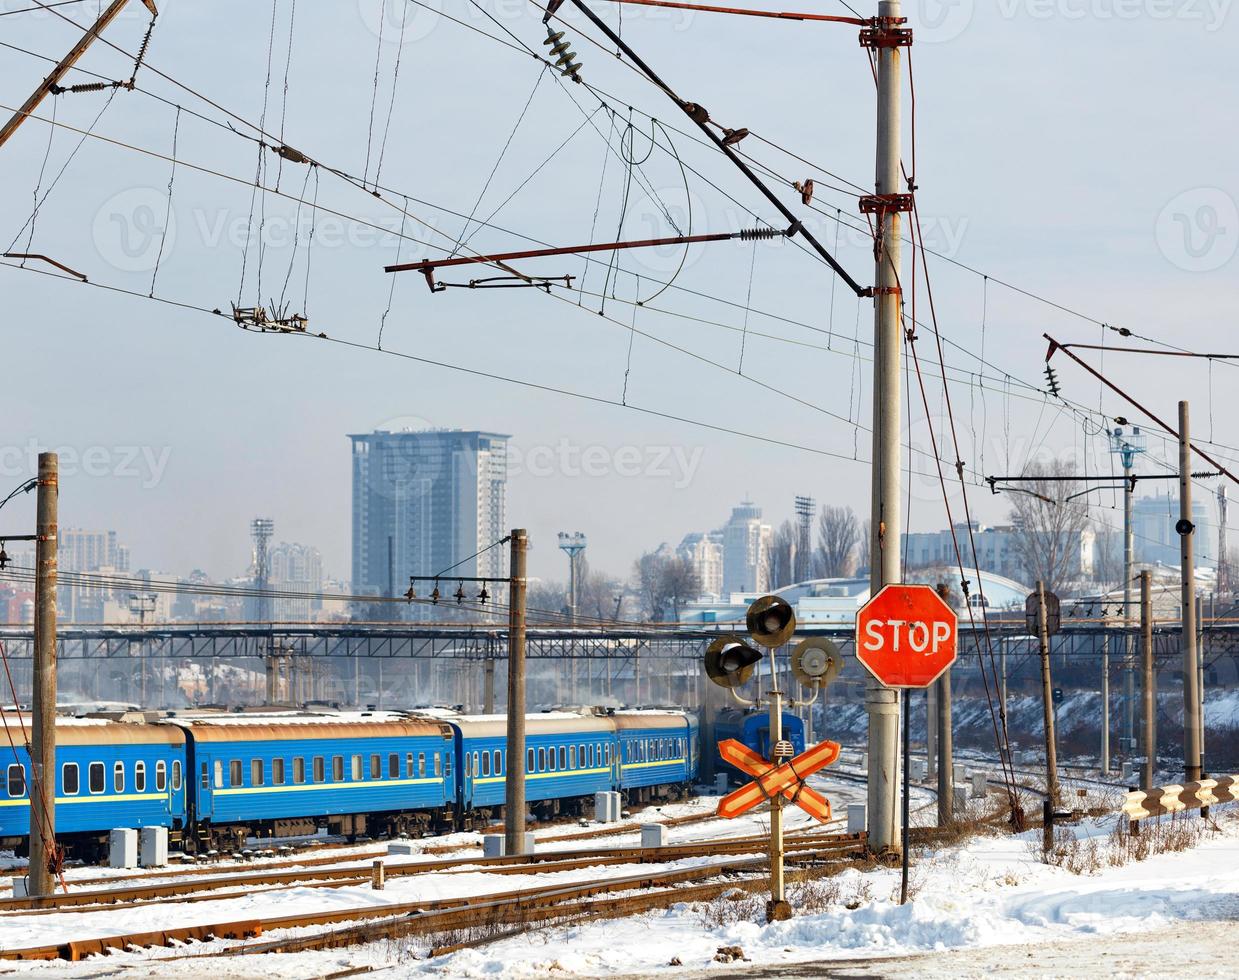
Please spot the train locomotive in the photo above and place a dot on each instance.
(216, 779)
(752, 728)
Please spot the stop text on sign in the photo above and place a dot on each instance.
(919, 637)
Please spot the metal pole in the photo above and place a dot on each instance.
(1187, 598)
(572, 563)
(1105, 706)
(1129, 654)
(778, 907)
(488, 685)
(907, 778)
(946, 743)
(514, 799)
(931, 732)
(1149, 690)
(1047, 698)
(881, 703)
(43, 741)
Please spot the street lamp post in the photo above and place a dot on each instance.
(1127, 446)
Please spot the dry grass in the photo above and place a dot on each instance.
(1161, 835)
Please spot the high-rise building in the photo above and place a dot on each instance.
(87, 551)
(425, 500)
(296, 568)
(1154, 538)
(704, 551)
(746, 550)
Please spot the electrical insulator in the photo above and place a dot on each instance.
(459, 595)
(757, 234)
(4, 557)
(562, 55)
(1052, 378)
(434, 596)
(483, 595)
(733, 136)
(411, 594)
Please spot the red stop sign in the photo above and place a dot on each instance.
(906, 636)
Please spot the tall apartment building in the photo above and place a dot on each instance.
(87, 551)
(425, 500)
(746, 550)
(704, 551)
(1154, 538)
(296, 568)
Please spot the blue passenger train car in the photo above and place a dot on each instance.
(568, 758)
(108, 775)
(752, 728)
(657, 753)
(282, 776)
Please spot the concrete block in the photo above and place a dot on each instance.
(856, 818)
(980, 785)
(493, 845)
(153, 847)
(959, 799)
(401, 848)
(602, 807)
(720, 784)
(617, 807)
(529, 843)
(21, 886)
(123, 848)
(653, 835)
(960, 773)
(1127, 772)
(919, 769)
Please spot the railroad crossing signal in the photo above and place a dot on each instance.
(906, 636)
(787, 780)
(1053, 614)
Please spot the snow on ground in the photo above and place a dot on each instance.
(975, 896)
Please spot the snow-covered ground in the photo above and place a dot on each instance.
(966, 899)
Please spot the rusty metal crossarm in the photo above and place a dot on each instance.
(778, 15)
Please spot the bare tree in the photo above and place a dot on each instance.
(863, 548)
(680, 584)
(547, 601)
(838, 533)
(1049, 520)
(1107, 557)
(783, 555)
(664, 583)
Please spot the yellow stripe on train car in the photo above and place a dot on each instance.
(302, 787)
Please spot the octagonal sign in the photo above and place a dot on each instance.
(906, 636)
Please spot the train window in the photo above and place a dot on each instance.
(485, 763)
(581, 755)
(337, 768)
(563, 757)
(438, 765)
(409, 763)
(257, 773)
(118, 777)
(235, 777)
(299, 770)
(421, 765)
(176, 774)
(393, 766)
(17, 780)
(95, 776)
(529, 762)
(356, 767)
(69, 779)
(498, 762)
(476, 770)
(447, 764)
(572, 757)
(205, 780)
(139, 777)
(161, 776)
(376, 767)
(468, 765)
(541, 760)
(320, 769)
(277, 772)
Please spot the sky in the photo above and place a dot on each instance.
(1082, 151)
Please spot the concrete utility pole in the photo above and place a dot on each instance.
(1105, 706)
(514, 798)
(946, 743)
(779, 907)
(1187, 598)
(1149, 687)
(42, 784)
(1047, 697)
(882, 703)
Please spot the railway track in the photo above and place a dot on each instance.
(92, 900)
(520, 906)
